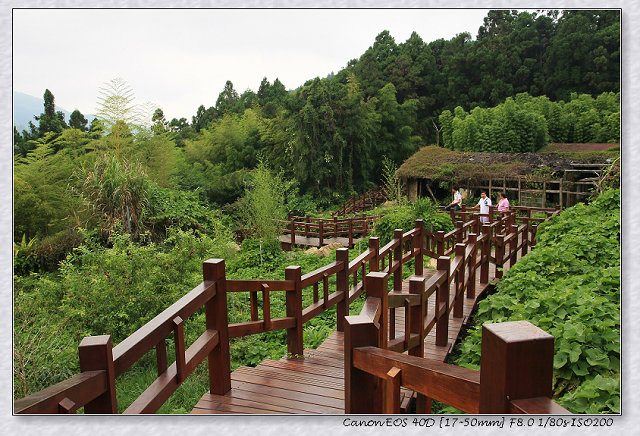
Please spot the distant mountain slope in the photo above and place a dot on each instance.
(26, 106)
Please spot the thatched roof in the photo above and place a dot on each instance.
(437, 163)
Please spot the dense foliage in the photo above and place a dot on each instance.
(569, 286)
(405, 216)
(329, 135)
(526, 123)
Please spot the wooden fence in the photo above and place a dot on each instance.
(101, 363)
(321, 231)
(362, 202)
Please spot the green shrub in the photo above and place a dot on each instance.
(25, 259)
(404, 217)
(53, 249)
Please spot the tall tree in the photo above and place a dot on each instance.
(78, 121)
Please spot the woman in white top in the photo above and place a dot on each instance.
(484, 204)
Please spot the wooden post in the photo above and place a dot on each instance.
(418, 243)
(440, 242)
(471, 288)
(458, 304)
(161, 356)
(321, 231)
(442, 306)
(217, 319)
(525, 238)
(295, 345)
(178, 335)
(342, 286)
(293, 233)
(484, 255)
(459, 236)
(361, 390)
(374, 246)
(307, 219)
(513, 246)
(491, 209)
(391, 391)
(418, 313)
(350, 232)
(397, 257)
(377, 285)
(544, 193)
(499, 253)
(516, 362)
(266, 306)
(96, 353)
(335, 227)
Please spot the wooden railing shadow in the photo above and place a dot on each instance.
(470, 244)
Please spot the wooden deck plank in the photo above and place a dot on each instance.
(290, 394)
(298, 387)
(275, 400)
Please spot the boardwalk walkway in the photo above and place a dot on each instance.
(315, 384)
(303, 241)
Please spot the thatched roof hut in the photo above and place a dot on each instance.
(560, 175)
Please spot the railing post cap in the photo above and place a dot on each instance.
(92, 341)
(516, 331)
(377, 275)
(214, 261)
(293, 268)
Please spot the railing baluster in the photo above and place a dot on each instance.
(442, 303)
(391, 391)
(266, 306)
(254, 305)
(161, 356)
(325, 289)
(315, 292)
(418, 314)
(397, 256)
(407, 323)
(342, 287)
(178, 333)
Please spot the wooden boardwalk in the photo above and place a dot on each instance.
(303, 241)
(315, 384)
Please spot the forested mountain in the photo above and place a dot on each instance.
(329, 136)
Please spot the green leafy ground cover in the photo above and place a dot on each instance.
(569, 286)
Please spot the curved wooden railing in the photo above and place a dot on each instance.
(336, 284)
(326, 229)
(361, 202)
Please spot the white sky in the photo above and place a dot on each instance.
(181, 58)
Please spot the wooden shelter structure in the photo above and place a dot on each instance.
(532, 179)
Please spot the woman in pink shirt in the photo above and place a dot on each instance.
(503, 204)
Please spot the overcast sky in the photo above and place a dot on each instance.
(179, 59)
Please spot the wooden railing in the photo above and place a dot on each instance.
(100, 363)
(362, 202)
(327, 229)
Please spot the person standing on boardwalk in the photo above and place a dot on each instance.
(457, 200)
(484, 204)
(503, 204)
